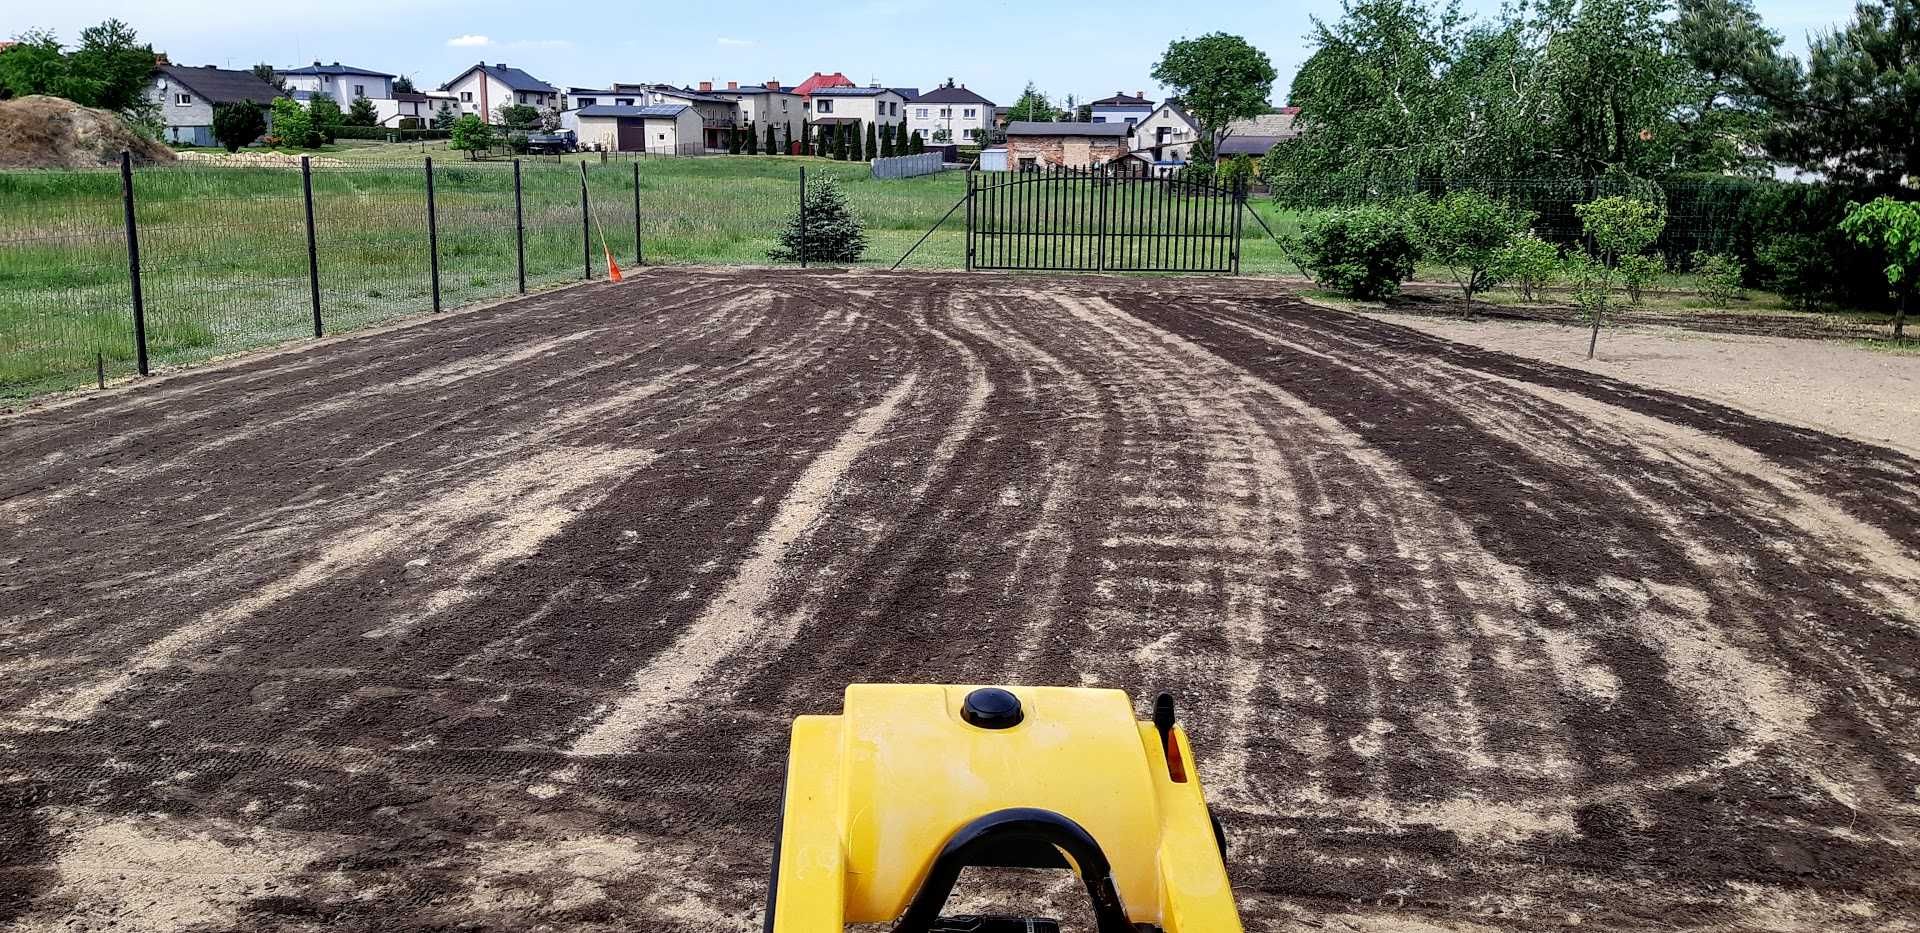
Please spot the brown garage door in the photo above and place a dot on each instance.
(632, 135)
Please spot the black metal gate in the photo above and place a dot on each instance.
(1072, 220)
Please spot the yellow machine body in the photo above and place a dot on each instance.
(874, 793)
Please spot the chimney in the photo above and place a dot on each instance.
(773, 84)
(733, 85)
(1140, 94)
(706, 85)
(336, 64)
(1119, 93)
(316, 63)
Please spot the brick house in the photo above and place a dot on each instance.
(1032, 145)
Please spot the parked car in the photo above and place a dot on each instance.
(563, 141)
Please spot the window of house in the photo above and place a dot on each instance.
(893, 110)
(946, 113)
(826, 106)
(359, 90)
(466, 97)
(921, 113)
(183, 99)
(586, 101)
(523, 98)
(968, 112)
(1027, 164)
(1132, 120)
(624, 101)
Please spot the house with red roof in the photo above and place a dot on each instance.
(806, 88)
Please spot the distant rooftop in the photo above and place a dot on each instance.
(334, 69)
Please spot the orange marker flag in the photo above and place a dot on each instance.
(613, 268)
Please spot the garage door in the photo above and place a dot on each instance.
(632, 135)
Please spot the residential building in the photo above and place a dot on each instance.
(766, 103)
(484, 89)
(1120, 108)
(1254, 137)
(186, 98)
(671, 129)
(1165, 137)
(876, 106)
(949, 113)
(719, 114)
(413, 110)
(1034, 145)
(343, 83)
(619, 95)
(819, 80)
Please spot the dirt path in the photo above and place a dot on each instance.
(498, 622)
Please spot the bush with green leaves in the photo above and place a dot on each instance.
(1466, 231)
(1621, 226)
(1640, 274)
(1364, 252)
(1721, 277)
(362, 113)
(1592, 294)
(1795, 266)
(324, 112)
(750, 138)
(238, 124)
(823, 229)
(1891, 228)
(1530, 263)
(292, 125)
(443, 119)
(518, 142)
(773, 146)
(470, 135)
(916, 145)
(1236, 173)
(524, 117)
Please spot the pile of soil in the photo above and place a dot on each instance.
(52, 132)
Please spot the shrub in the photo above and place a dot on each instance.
(1365, 252)
(471, 134)
(1529, 262)
(1621, 226)
(1592, 294)
(1796, 266)
(751, 139)
(1640, 274)
(1721, 276)
(824, 229)
(325, 114)
(518, 116)
(1465, 231)
(362, 113)
(292, 124)
(1892, 229)
(916, 145)
(773, 147)
(872, 150)
(518, 142)
(1237, 172)
(886, 142)
(238, 124)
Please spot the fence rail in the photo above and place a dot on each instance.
(106, 273)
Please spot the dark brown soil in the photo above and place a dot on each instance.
(497, 622)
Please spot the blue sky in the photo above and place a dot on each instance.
(992, 46)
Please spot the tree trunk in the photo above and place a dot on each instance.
(1593, 341)
(1900, 317)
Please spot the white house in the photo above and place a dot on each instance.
(949, 113)
(1165, 137)
(413, 109)
(186, 98)
(872, 106)
(768, 103)
(1121, 108)
(484, 89)
(343, 83)
(670, 129)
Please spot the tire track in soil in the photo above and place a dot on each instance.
(1398, 430)
(1411, 696)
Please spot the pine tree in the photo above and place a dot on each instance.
(751, 138)
(825, 229)
(915, 145)
(886, 141)
(873, 145)
(840, 142)
(772, 148)
(733, 140)
(806, 138)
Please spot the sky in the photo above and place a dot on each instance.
(994, 47)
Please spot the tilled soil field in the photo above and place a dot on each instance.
(498, 622)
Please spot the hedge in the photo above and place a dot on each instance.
(386, 132)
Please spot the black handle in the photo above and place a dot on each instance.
(1024, 837)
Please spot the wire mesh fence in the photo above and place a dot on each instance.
(239, 256)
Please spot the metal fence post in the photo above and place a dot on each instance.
(1239, 209)
(586, 234)
(519, 231)
(133, 263)
(433, 237)
(970, 188)
(803, 217)
(639, 250)
(313, 245)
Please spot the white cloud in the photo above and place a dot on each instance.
(734, 43)
(468, 41)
